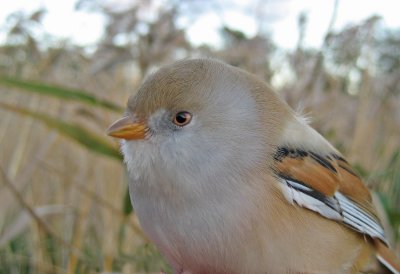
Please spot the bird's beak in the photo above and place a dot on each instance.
(128, 128)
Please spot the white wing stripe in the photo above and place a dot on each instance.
(298, 186)
(293, 195)
(329, 201)
(353, 211)
(388, 265)
(346, 201)
(358, 215)
(338, 207)
(359, 226)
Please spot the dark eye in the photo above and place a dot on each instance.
(182, 118)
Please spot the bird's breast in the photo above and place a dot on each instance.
(194, 231)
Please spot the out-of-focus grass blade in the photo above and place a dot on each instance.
(88, 139)
(390, 200)
(392, 212)
(59, 92)
(127, 205)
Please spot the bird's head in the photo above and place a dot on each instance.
(197, 117)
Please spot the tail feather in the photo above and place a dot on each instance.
(386, 257)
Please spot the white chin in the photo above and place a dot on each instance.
(137, 157)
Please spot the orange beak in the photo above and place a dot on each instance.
(128, 128)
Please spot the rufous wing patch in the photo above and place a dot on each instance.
(323, 173)
(308, 169)
(352, 186)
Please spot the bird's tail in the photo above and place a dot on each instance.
(386, 257)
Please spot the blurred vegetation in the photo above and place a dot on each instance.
(63, 200)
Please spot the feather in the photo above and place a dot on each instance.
(386, 257)
(326, 184)
(323, 178)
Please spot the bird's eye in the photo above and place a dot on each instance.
(182, 118)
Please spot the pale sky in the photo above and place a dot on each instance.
(85, 28)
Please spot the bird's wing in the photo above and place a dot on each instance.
(328, 185)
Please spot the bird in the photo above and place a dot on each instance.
(225, 177)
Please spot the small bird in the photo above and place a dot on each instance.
(226, 178)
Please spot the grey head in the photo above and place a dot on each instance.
(195, 123)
